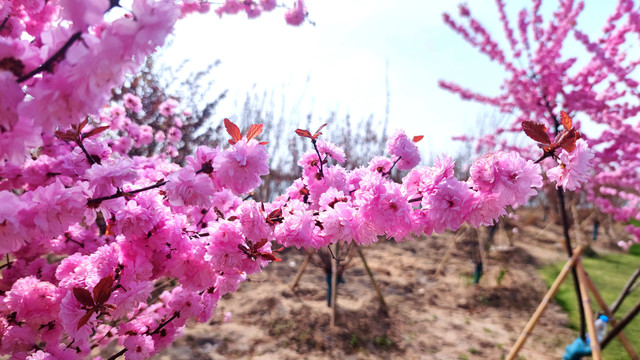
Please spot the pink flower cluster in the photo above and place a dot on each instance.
(88, 232)
(542, 77)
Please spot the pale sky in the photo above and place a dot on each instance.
(339, 64)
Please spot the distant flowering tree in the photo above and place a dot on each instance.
(101, 247)
(541, 78)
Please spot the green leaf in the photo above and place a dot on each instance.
(634, 222)
(634, 249)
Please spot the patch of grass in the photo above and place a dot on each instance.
(382, 342)
(473, 351)
(609, 273)
(501, 275)
(463, 357)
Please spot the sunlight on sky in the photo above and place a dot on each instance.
(339, 64)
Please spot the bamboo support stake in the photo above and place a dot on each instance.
(373, 281)
(334, 283)
(543, 304)
(621, 325)
(447, 255)
(605, 308)
(588, 313)
(301, 270)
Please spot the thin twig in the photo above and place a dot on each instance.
(56, 57)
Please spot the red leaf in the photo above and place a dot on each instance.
(417, 138)
(233, 130)
(95, 131)
(83, 296)
(83, 124)
(102, 291)
(568, 140)
(270, 257)
(537, 131)
(260, 244)
(318, 133)
(565, 120)
(274, 217)
(254, 130)
(85, 318)
(68, 135)
(264, 142)
(304, 133)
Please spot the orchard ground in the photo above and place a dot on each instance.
(429, 317)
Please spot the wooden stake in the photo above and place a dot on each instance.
(373, 281)
(334, 283)
(588, 313)
(543, 304)
(605, 308)
(447, 255)
(301, 270)
(621, 325)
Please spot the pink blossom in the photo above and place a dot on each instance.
(331, 150)
(133, 220)
(297, 14)
(132, 102)
(380, 164)
(449, 204)
(145, 136)
(239, 168)
(297, 228)
(575, 167)
(485, 209)
(402, 147)
(268, 5)
(54, 208)
(185, 187)
(84, 13)
(339, 223)
(229, 7)
(160, 136)
(41, 355)
(35, 302)
(140, 347)
(167, 108)
(174, 135)
(515, 178)
(105, 178)
(12, 233)
(386, 208)
(18, 339)
(252, 221)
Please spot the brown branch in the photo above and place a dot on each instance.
(176, 314)
(54, 59)
(94, 202)
(4, 22)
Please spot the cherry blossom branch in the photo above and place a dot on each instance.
(392, 166)
(54, 59)
(95, 202)
(176, 314)
(315, 146)
(565, 231)
(4, 22)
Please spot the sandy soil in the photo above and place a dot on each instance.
(428, 316)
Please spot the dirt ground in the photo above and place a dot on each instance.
(427, 317)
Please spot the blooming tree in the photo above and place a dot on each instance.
(541, 79)
(100, 246)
